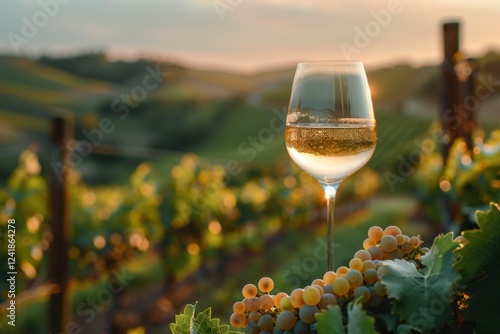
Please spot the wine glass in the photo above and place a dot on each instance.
(330, 127)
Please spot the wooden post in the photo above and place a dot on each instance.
(450, 95)
(59, 310)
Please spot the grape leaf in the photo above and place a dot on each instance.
(391, 321)
(358, 320)
(422, 298)
(479, 258)
(406, 329)
(186, 323)
(330, 321)
(483, 247)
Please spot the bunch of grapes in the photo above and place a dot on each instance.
(296, 313)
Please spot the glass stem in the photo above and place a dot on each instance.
(330, 194)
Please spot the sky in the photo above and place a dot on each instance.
(248, 35)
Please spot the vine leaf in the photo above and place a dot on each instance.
(422, 298)
(358, 320)
(330, 321)
(187, 323)
(479, 265)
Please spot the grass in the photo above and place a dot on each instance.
(247, 135)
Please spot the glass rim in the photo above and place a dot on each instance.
(331, 62)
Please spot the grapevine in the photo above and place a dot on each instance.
(360, 283)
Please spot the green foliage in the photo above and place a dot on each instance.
(330, 322)
(479, 266)
(470, 179)
(422, 296)
(25, 200)
(187, 323)
(358, 321)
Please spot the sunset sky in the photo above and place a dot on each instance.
(248, 35)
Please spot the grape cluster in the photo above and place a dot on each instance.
(296, 313)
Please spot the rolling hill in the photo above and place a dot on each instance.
(214, 114)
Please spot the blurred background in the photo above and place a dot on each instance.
(178, 185)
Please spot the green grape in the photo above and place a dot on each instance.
(311, 295)
(392, 230)
(296, 298)
(380, 289)
(301, 328)
(329, 277)
(238, 320)
(363, 255)
(415, 242)
(381, 271)
(370, 276)
(277, 299)
(249, 291)
(368, 265)
(356, 264)
(375, 299)
(252, 328)
(406, 247)
(266, 322)
(364, 292)
(254, 316)
(388, 243)
(327, 299)
(328, 288)
(319, 288)
(286, 304)
(367, 243)
(397, 254)
(355, 278)
(318, 281)
(266, 302)
(239, 308)
(375, 233)
(341, 271)
(307, 313)
(375, 253)
(286, 320)
(341, 286)
(400, 238)
(252, 304)
(266, 284)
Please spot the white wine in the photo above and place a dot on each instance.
(331, 151)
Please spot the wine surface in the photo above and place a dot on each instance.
(331, 152)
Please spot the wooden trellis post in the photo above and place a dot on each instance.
(59, 310)
(458, 107)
